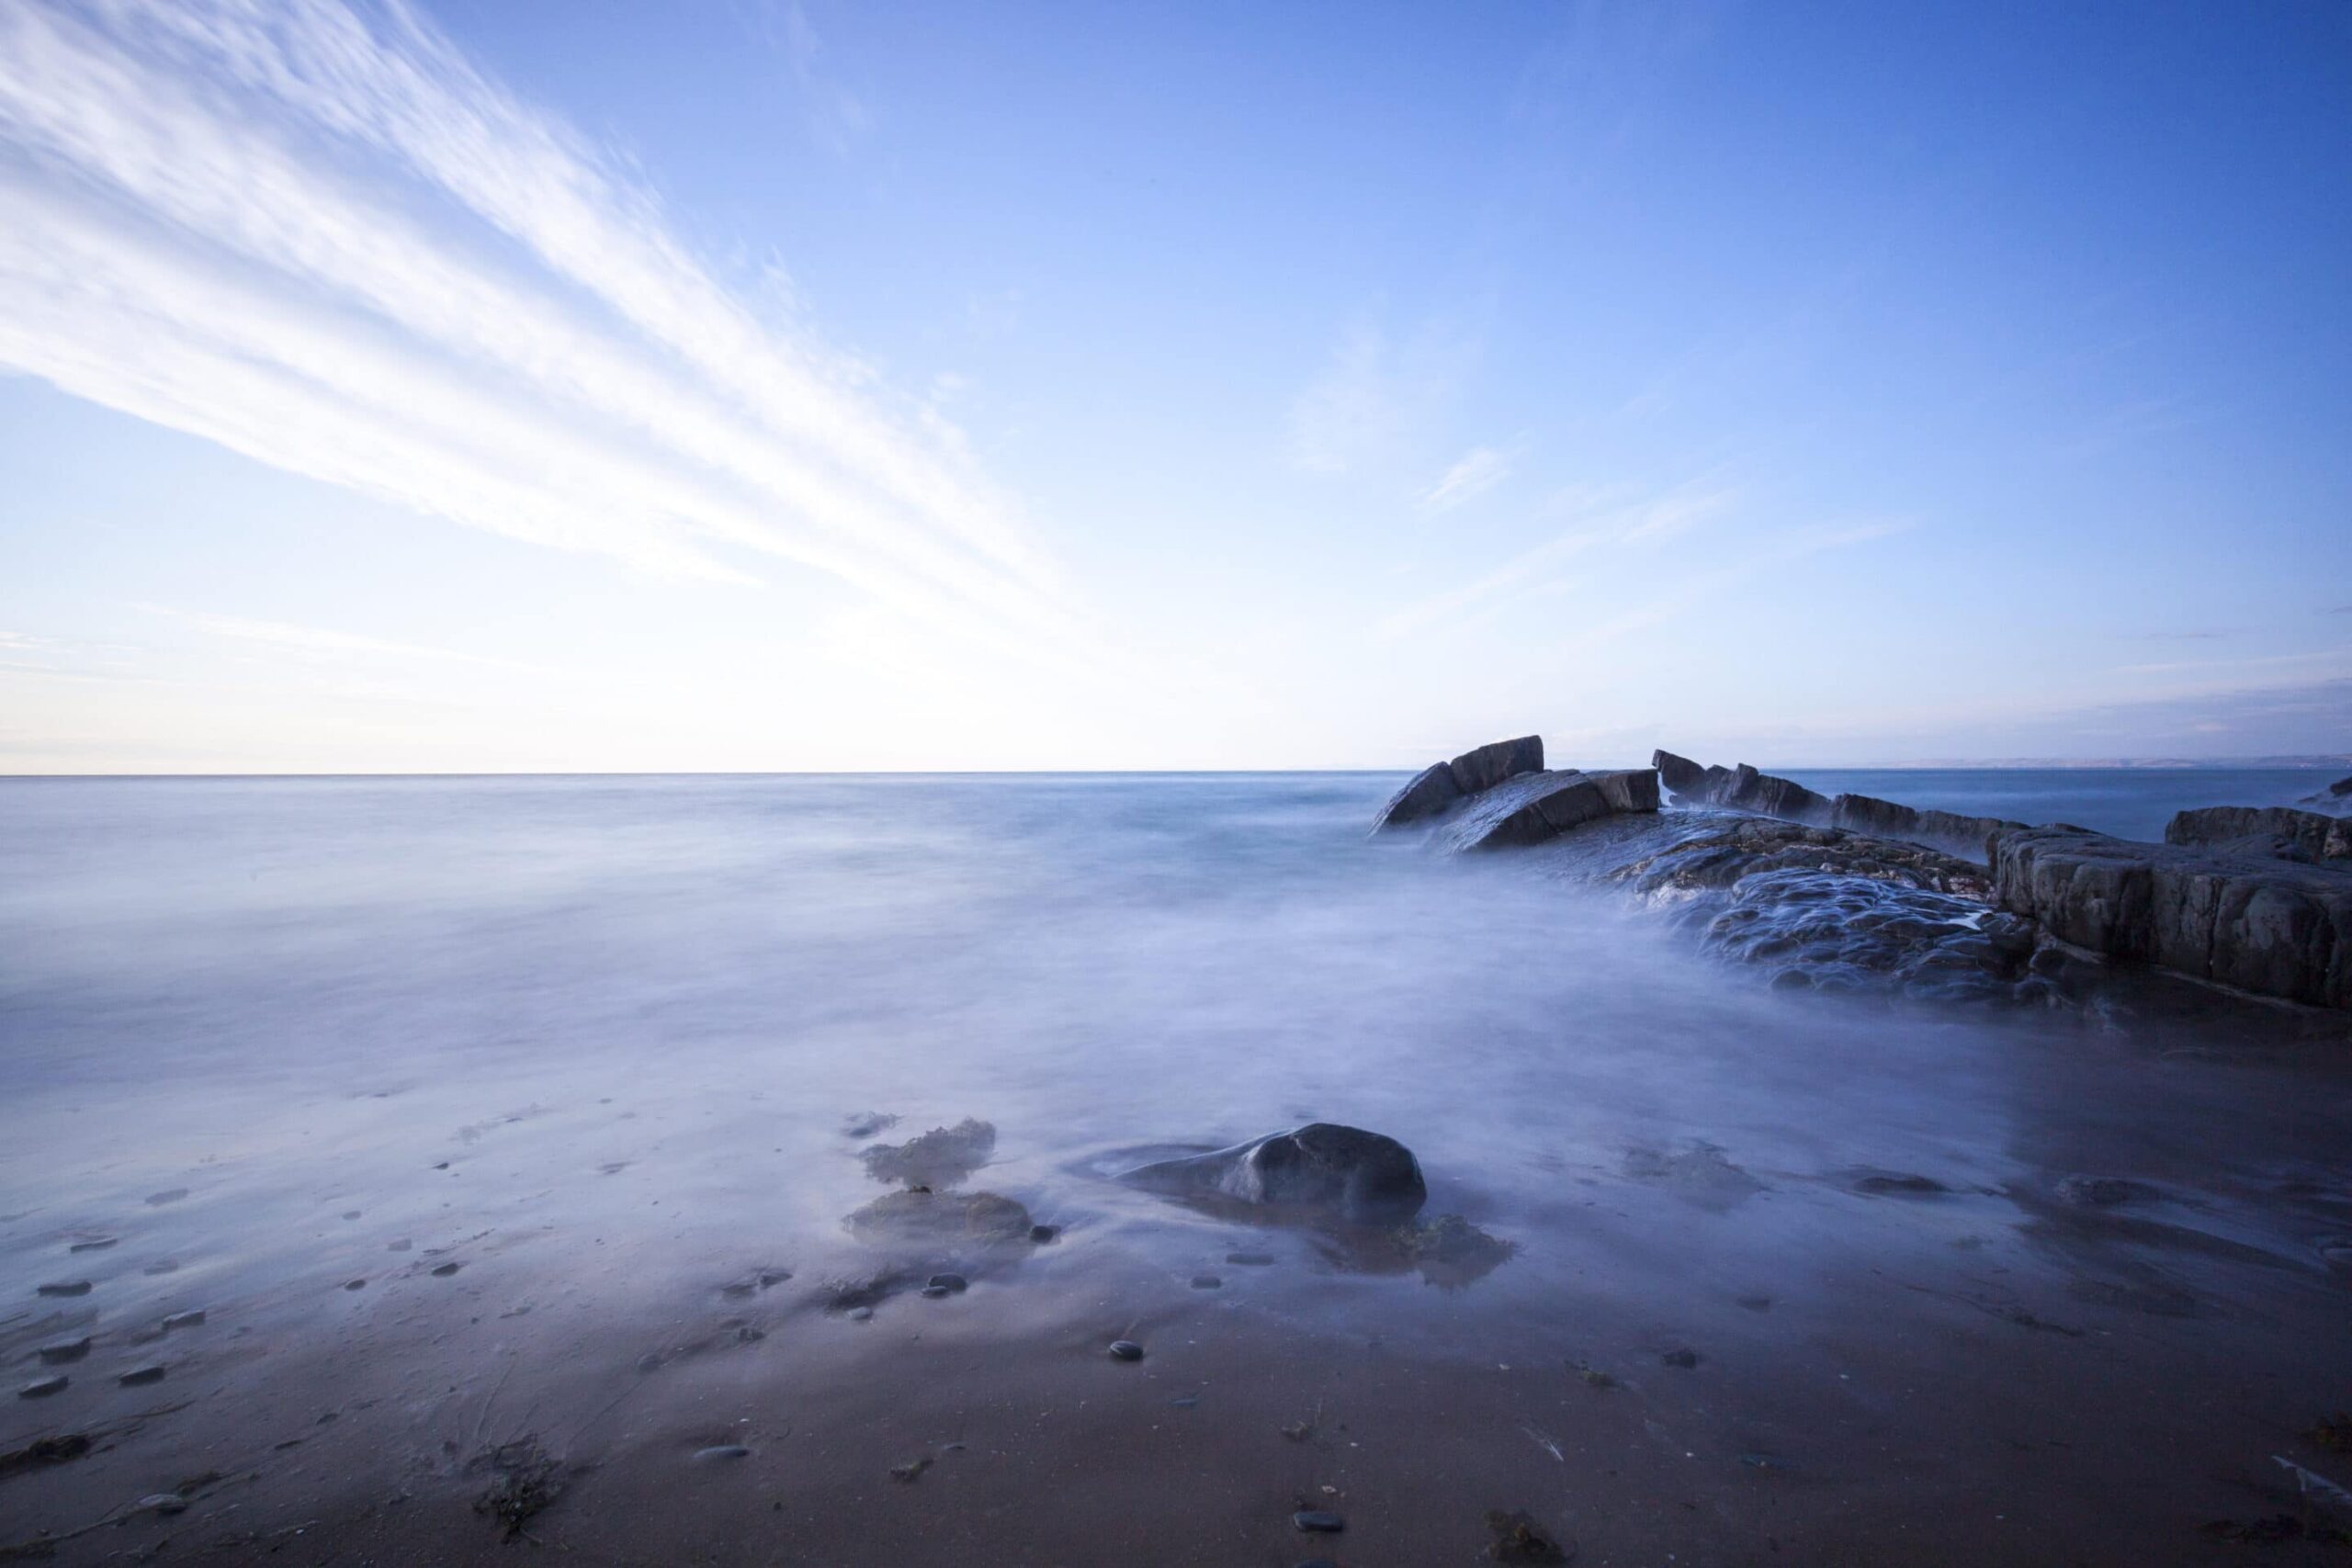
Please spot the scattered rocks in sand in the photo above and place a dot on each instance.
(1126, 1350)
(177, 1320)
(443, 1270)
(865, 1123)
(722, 1453)
(1684, 1359)
(1519, 1539)
(1250, 1259)
(64, 1287)
(1207, 1282)
(97, 1245)
(524, 1482)
(1044, 1233)
(1317, 1521)
(140, 1376)
(1898, 1184)
(912, 1470)
(41, 1388)
(919, 1215)
(940, 1158)
(1365, 1178)
(58, 1352)
(171, 1195)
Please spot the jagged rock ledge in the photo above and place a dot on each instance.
(1854, 893)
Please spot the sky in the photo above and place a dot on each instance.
(758, 385)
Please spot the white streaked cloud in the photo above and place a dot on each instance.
(1477, 471)
(316, 234)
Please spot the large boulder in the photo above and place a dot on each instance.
(1531, 807)
(1768, 796)
(1322, 1168)
(2279, 830)
(1437, 787)
(2273, 926)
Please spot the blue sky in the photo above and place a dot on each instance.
(750, 385)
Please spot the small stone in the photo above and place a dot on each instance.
(64, 1350)
(42, 1388)
(443, 1270)
(1043, 1233)
(1250, 1259)
(911, 1469)
(946, 1283)
(1126, 1350)
(860, 1315)
(1206, 1283)
(400, 1246)
(648, 1362)
(351, 1214)
(139, 1375)
(355, 1284)
(100, 1245)
(184, 1319)
(1317, 1521)
(935, 1291)
(163, 1503)
(64, 1287)
(1686, 1359)
(170, 1196)
(720, 1452)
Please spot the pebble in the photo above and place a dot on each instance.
(99, 1246)
(173, 1196)
(1686, 1359)
(446, 1270)
(1207, 1282)
(648, 1362)
(719, 1451)
(944, 1283)
(355, 1284)
(1317, 1521)
(400, 1246)
(64, 1287)
(1044, 1232)
(1126, 1350)
(184, 1319)
(138, 1375)
(164, 1503)
(42, 1388)
(1250, 1259)
(65, 1350)
(860, 1315)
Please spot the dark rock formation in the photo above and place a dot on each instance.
(2278, 831)
(1944, 830)
(1766, 794)
(1438, 786)
(2272, 927)
(1531, 807)
(1362, 1176)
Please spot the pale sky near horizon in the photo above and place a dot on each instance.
(742, 384)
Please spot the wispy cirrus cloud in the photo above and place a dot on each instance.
(315, 234)
(1477, 471)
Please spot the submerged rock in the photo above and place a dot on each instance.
(1532, 807)
(940, 1218)
(1366, 1177)
(940, 1158)
(1438, 786)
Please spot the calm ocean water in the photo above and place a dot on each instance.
(2132, 802)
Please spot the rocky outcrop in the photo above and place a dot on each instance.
(1323, 1168)
(2278, 830)
(1438, 787)
(2272, 927)
(1532, 807)
(1767, 795)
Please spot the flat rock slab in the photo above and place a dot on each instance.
(1534, 808)
(2277, 928)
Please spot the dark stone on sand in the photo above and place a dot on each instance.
(1686, 1359)
(41, 1388)
(58, 1352)
(99, 1246)
(947, 1283)
(1898, 1184)
(1534, 808)
(1317, 1521)
(912, 1470)
(1250, 1259)
(1367, 1177)
(162, 1503)
(865, 1123)
(1126, 1350)
(1044, 1233)
(172, 1196)
(920, 1215)
(1207, 1282)
(720, 1452)
(139, 1375)
(64, 1287)
(1519, 1539)
(2280, 831)
(443, 1270)
(940, 1158)
(355, 1284)
(2273, 927)
(184, 1320)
